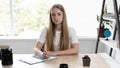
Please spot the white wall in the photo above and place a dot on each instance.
(27, 45)
(88, 45)
(19, 45)
(82, 14)
(110, 5)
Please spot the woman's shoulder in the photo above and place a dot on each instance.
(44, 28)
(71, 29)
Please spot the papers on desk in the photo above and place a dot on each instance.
(35, 59)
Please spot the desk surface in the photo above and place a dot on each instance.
(74, 61)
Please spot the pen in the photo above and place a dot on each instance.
(43, 50)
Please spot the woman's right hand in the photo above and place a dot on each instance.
(45, 55)
(37, 52)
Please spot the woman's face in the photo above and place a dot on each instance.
(57, 16)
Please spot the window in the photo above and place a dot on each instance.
(28, 17)
(4, 17)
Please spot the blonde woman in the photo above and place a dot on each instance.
(59, 39)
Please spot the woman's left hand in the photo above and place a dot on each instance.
(51, 53)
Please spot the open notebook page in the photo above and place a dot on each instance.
(34, 59)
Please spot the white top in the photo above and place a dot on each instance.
(72, 35)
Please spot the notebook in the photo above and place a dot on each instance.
(35, 59)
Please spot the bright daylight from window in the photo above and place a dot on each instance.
(26, 18)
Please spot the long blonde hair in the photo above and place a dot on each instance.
(64, 36)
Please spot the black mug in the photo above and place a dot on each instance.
(63, 65)
(6, 56)
(86, 60)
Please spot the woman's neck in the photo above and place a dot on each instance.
(58, 27)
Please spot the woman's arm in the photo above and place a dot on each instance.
(38, 52)
(40, 42)
(72, 51)
(39, 45)
(37, 48)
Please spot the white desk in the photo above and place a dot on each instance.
(74, 61)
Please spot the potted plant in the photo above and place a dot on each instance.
(106, 25)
